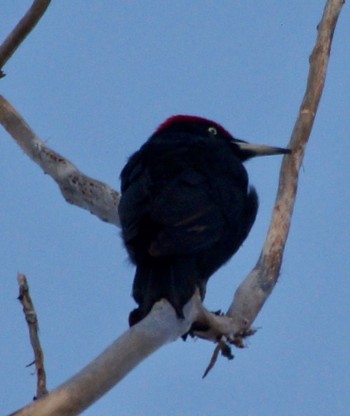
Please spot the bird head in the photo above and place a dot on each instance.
(203, 128)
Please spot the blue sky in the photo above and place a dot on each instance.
(94, 80)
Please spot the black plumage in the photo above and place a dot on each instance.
(186, 208)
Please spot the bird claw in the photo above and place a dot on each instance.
(239, 339)
(225, 330)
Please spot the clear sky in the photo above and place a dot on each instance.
(94, 80)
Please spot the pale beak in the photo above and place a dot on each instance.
(249, 150)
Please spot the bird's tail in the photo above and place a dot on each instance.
(163, 277)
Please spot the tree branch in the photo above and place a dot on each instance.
(33, 326)
(77, 188)
(21, 31)
(161, 325)
(253, 292)
(158, 328)
(255, 289)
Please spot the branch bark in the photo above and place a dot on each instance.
(21, 31)
(33, 326)
(76, 187)
(255, 289)
(130, 349)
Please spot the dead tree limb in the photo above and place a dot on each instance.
(255, 289)
(253, 292)
(21, 31)
(33, 326)
(77, 188)
(158, 328)
(161, 325)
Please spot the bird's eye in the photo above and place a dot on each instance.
(212, 130)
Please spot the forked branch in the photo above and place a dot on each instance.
(161, 325)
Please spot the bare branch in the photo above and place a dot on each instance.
(158, 328)
(161, 325)
(21, 31)
(33, 326)
(77, 188)
(255, 289)
(252, 293)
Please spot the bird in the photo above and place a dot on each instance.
(186, 207)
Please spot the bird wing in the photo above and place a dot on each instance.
(188, 216)
(179, 214)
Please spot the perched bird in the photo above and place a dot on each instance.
(186, 208)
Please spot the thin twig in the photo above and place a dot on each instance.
(21, 31)
(213, 359)
(33, 326)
